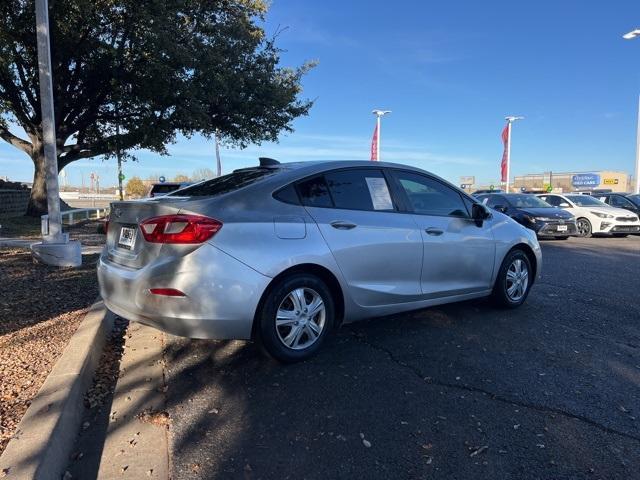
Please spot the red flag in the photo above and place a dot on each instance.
(505, 153)
(374, 145)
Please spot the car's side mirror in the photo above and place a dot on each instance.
(479, 213)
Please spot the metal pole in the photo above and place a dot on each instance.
(48, 123)
(119, 154)
(508, 154)
(378, 123)
(218, 162)
(637, 187)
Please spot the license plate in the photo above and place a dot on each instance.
(562, 228)
(127, 238)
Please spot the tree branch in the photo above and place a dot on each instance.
(17, 142)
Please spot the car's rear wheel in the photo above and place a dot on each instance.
(296, 316)
(514, 280)
(584, 227)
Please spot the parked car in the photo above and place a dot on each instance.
(163, 188)
(627, 201)
(486, 190)
(594, 217)
(532, 212)
(284, 253)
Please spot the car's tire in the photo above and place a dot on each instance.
(283, 336)
(514, 280)
(584, 227)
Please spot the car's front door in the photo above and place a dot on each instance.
(458, 254)
(377, 248)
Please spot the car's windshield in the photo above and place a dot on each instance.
(224, 184)
(527, 201)
(635, 198)
(586, 201)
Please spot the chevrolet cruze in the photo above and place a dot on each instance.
(284, 253)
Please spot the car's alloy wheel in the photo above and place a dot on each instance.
(301, 318)
(584, 227)
(514, 280)
(295, 317)
(517, 280)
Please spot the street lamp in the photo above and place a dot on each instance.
(510, 119)
(55, 249)
(630, 36)
(379, 114)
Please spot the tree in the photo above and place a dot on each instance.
(202, 174)
(135, 188)
(181, 178)
(151, 68)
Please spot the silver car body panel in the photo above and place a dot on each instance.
(386, 264)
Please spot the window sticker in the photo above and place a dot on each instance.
(379, 192)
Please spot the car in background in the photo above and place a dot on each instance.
(532, 212)
(486, 190)
(163, 188)
(594, 217)
(284, 253)
(627, 201)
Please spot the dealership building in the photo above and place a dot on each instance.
(570, 181)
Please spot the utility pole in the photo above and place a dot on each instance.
(218, 161)
(630, 36)
(55, 248)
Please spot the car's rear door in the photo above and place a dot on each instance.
(458, 253)
(377, 248)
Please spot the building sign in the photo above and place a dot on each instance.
(467, 181)
(585, 180)
(610, 181)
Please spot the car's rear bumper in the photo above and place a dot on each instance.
(221, 294)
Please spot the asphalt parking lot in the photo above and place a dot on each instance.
(551, 390)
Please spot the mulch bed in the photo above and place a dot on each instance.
(40, 309)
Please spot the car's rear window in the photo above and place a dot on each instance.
(226, 183)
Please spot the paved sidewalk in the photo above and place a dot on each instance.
(136, 442)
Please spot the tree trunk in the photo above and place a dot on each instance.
(38, 199)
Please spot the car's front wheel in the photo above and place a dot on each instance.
(584, 227)
(514, 280)
(296, 316)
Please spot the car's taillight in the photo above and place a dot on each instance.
(179, 229)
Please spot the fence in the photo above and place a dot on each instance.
(71, 217)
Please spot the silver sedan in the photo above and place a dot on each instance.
(284, 253)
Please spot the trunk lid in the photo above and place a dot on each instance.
(125, 243)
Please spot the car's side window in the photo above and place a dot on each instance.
(359, 189)
(552, 200)
(620, 202)
(314, 192)
(492, 201)
(427, 196)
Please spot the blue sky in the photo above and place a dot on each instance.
(450, 72)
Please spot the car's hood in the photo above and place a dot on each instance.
(618, 212)
(547, 213)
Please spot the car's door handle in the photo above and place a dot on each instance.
(434, 231)
(341, 225)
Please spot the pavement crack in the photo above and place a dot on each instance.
(494, 396)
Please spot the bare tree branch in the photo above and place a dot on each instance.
(17, 142)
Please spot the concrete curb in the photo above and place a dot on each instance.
(45, 437)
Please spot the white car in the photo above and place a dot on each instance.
(594, 217)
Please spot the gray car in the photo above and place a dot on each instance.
(284, 253)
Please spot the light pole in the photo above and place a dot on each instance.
(510, 120)
(55, 249)
(379, 114)
(630, 36)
